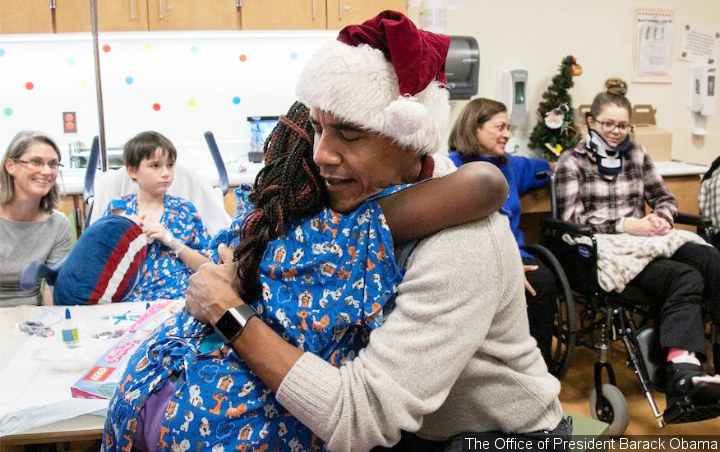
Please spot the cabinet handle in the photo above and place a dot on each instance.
(313, 10)
(339, 9)
(133, 15)
(53, 4)
(161, 7)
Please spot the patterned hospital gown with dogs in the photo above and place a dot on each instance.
(325, 285)
(164, 275)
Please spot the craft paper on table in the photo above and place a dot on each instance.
(102, 378)
(653, 46)
(699, 44)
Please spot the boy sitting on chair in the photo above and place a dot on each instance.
(177, 239)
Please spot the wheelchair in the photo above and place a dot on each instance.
(604, 318)
(563, 327)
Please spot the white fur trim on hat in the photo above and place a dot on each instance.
(359, 85)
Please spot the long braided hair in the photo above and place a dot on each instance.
(287, 188)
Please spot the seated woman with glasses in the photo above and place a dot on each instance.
(480, 134)
(605, 182)
(31, 230)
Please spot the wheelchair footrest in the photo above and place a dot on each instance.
(689, 410)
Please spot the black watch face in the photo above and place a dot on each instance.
(228, 325)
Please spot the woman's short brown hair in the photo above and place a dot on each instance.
(15, 150)
(463, 137)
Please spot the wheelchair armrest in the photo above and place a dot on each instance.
(217, 159)
(566, 226)
(573, 245)
(693, 220)
(89, 186)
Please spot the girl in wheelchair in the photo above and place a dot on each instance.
(177, 239)
(604, 182)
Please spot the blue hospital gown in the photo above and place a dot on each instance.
(324, 287)
(165, 275)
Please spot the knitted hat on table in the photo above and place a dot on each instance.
(386, 76)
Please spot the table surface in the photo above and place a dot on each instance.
(36, 373)
(81, 428)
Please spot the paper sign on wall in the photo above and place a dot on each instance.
(653, 46)
(699, 45)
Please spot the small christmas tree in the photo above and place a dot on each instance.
(556, 130)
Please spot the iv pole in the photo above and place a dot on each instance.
(98, 86)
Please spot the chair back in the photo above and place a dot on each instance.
(188, 184)
(213, 219)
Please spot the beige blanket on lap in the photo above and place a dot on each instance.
(621, 257)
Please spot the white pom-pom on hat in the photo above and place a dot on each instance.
(405, 116)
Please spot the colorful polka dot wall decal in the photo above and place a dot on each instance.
(243, 57)
(293, 55)
(194, 49)
(191, 103)
(106, 48)
(236, 100)
(7, 111)
(72, 62)
(29, 86)
(129, 80)
(2, 52)
(83, 84)
(156, 107)
(147, 47)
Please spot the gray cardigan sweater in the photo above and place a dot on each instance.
(22, 242)
(454, 356)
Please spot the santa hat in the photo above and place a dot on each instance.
(386, 76)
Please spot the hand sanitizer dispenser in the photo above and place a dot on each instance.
(701, 100)
(511, 89)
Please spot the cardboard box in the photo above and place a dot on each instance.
(656, 141)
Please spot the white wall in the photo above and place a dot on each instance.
(166, 69)
(200, 80)
(538, 34)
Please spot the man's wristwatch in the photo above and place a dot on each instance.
(232, 323)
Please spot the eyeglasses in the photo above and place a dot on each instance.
(39, 164)
(609, 126)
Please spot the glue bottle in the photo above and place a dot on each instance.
(70, 331)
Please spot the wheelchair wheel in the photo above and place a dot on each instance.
(610, 408)
(564, 324)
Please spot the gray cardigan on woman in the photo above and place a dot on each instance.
(22, 242)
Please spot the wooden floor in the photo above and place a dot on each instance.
(578, 384)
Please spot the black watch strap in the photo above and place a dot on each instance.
(232, 323)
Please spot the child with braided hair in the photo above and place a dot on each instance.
(321, 278)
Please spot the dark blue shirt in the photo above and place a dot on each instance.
(520, 174)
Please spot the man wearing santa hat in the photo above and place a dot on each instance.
(456, 354)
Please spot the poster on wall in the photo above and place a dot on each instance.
(699, 44)
(653, 46)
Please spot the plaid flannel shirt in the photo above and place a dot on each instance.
(710, 198)
(585, 196)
